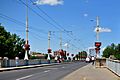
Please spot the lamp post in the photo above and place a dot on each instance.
(97, 28)
(67, 52)
(27, 46)
(97, 43)
(49, 49)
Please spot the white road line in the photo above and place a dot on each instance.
(48, 68)
(24, 77)
(63, 67)
(47, 71)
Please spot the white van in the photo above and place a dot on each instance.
(87, 60)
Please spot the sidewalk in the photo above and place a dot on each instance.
(89, 72)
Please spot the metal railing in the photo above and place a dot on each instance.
(113, 65)
(21, 62)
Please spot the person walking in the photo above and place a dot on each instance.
(93, 60)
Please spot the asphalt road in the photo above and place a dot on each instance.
(55, 72)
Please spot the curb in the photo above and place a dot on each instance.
(114, 73)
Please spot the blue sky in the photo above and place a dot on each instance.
(72, 15)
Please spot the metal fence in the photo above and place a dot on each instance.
(113, 65)
(21, 62)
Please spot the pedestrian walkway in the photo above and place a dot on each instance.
(89, 72)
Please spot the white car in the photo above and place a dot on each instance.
(87, 59)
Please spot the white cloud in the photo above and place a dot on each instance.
(103, 29)
(49, 2)
(85, 15)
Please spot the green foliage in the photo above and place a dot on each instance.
(112, 50)
(83, 54)
(80, 55)
(117, 56)
(10, 44)
(34, 57)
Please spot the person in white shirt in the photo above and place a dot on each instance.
(93, 60)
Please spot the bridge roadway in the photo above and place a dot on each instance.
(55, 72)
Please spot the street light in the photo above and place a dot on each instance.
(49, 50)
(27, 46)
(97, 43)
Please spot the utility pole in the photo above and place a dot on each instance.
(49, 49)
(49, 33)
(97, 43)
(67, 52)
(60, 39)
(97, 28)
(62, 36)
(61, 52)
(27, 46)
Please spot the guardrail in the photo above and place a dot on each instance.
(113, 65)
(21, 62)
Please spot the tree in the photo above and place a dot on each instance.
(106, 52)
(83, 54)
(112, 50)
(117, 52)
(3, 36)
(10, 44)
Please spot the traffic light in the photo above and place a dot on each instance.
(49, 50)
(61, 52)
(27, 47)
(97, 45)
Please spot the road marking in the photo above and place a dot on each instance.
(50, 68)
(24, 77)
(63, 67)
(47, 71)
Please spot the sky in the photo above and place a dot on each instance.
(76, 19)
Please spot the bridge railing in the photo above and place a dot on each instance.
(113, 65)
(21, 62)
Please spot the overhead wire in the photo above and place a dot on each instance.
(39, 14)
(47, 15)
(37, 36)
(44, 18)
(59, 26)
(23, 24)
(20, 23)
(51, 18)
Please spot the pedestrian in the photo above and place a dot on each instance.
(93, 60)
